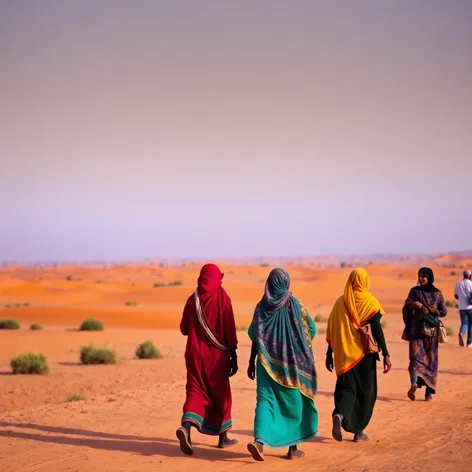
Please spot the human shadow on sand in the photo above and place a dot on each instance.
(144, 446)
(250, 435)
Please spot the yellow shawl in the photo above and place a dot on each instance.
(351, 311)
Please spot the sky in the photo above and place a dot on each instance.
(213, 129)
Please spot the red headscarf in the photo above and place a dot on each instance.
(216, 305)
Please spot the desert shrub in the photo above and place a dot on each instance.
(75, 397)
(319, 318)
(69, 278)
(264, 264)
(9, 324)
(383, 324)
(175, 283)
(7, 306)
(453, 273)
(321, 331)
(449, 331)
(91, 324)
(17, 305)
(36, 327)
(241, 328)
(99, 355)
(26, 304)
(451, 304)
(130, 303)
(31, 363)
(159, 285)
(147, 350)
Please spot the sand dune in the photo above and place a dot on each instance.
(132, 409)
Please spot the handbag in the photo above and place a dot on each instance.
(442, 334)
(368, 342)
(431, 325)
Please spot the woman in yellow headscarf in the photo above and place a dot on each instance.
(356, 386)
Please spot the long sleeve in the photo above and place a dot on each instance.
(185, 323)
(442, 309)
(378, 333)
(253, 352)
(231, 336)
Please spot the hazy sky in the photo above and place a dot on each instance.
(234, 128)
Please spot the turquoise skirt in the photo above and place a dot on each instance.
(284, 417)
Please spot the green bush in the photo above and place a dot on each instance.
(147, 350)
(69, 278)
(9, 324)
(319, 318)
(75, 397)
(383, 324)
(91, 324)
(449, 331)
(451, 304)
(175, 283)
(31, 363)
(36, 327)
(130, 303)
(321, 331)
(92, 355)
(159, 285)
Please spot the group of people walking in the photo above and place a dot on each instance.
(282, 361)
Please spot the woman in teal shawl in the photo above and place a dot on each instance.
(281, 334)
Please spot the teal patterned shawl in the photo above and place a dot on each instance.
(281, 329)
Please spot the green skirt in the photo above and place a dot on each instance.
(284, 417)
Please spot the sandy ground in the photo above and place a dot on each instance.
(132, 410)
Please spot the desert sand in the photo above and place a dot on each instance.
(132, 409)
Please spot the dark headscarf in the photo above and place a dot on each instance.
(429, 287)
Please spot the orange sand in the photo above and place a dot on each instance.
(132, 409)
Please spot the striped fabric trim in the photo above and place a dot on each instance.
(206, 428)
(204, 325)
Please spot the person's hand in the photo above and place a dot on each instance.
(417, 305)
(233, 365)
(251, 371)
(387, 364)
(424, 310)
(329, 363)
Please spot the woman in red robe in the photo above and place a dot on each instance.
(210, 359)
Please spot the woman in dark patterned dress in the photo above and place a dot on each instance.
(421, 313)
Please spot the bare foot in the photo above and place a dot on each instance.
(361, 437)
(337, 425)
(256, 450)
(295, 454)
(185, 443)
(226, 442)
(412, 391)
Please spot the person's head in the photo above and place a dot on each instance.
(467, 274)
(425, 277)
(210, 278)
(276, 289)
(278, 281)
(360, 280)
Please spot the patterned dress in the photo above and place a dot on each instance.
(423, 349)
